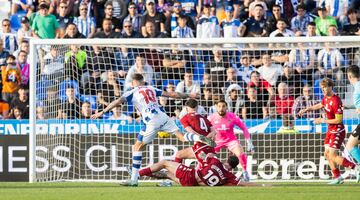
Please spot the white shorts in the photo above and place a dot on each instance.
(160, 122)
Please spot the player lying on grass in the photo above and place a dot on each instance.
(224, 122)
(197, 124)
(144, 98)
(212, 173)
(335, 134)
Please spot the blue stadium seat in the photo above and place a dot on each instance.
(91, 99)
(317, 89)
(42, 87)
(107, 115)
(65, 84)
(15, 20)
(165, 82)
(199, 71)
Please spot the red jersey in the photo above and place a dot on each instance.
(283, 105)
(213, 173)
(333, 106)
(263, 84)
(201, 125)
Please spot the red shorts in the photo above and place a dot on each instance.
(334, 138)
(186, 175)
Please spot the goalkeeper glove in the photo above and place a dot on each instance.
(250, 146)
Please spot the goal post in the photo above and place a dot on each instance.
(71, 79)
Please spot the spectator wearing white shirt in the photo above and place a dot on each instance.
(188, 85)
(8, 36)
(117, 114)
(281, 28)
(140, 67)
(230, 27)
(269, 71)
(182, 30)
(25, 31)
(208, 25)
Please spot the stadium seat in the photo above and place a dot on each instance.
(65, 84)
(317, 90)
(91, 99)
(107, 115)
(42, 87)
(166, 82)
(15, 20)
(199, 71)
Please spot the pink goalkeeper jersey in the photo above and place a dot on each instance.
(224, 127)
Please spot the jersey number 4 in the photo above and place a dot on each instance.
(148, 95)
(203, 125)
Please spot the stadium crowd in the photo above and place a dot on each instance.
(255, 84)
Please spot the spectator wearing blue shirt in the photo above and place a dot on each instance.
(301, 20)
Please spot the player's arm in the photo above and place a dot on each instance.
(311, 108)
(338, 119)
(178, 95)
(109, 107)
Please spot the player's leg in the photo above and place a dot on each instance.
(170, 166)
(236, 148)
(352, 144)
(183, 154)
(335, 144)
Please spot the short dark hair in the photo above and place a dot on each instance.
(254, 72)
(327, 82)
(275, 5)
(233, 161)
(354, 71)
(182, 16)
(351, 11)
(10, 56)
(192, 103)
(138, 77)
(301, 6)
(311, 24)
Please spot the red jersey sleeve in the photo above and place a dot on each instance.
(185, 121)
(337, 105)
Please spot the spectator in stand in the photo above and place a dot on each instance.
(72, 104)
(40, 112)
(119, 7)
(263, 89)
(271, 22)
(323, 22)
(151, 31)
(217, 67)
(254, 26)
(207, 98)
(141, 67)
(86, 110)
(338, 10)
(56, 4)
(330, 63)
(245, 69)
(62, 18)
(116, 23)
(164, 7)
(311, 30)
(22, 5)
(24, 32)
(292, 79)
(300, 22)
(22, 101)
(108, 91)
(44, 25)
(207, 25)
(353, 26)
(303, 60)
(62, 114)
(52, 100)
(287, 7)
(306, 100)
(16, 113)
(188, 85)
(85, 24)
(11, 79)
(244, 10)
(172, 21)
(231, 78)
(72, 32)
(4, 109)
(174, 63)
(230, 26)
(75, 63)
(234, 97)
(24, 46)
(168, 105)
(53, 56)
(182, 30)
(269, 71)
(8, 36)
(157, 19)
(125, 58)
(207, 83)
(191, 8)
(24, 67)
(333, 31)
(128, 30)
(118, 114)
(282, 103)
(281, 28)
(3, 54)
(252, 108)
(134, 18)
(254, 3)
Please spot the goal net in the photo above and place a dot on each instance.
(265, 81)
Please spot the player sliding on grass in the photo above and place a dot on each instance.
(145, 100)
(353, 74)
(224, 122)
(197, 124)
(212, 172)
(335, 134)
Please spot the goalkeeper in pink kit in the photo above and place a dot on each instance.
(223, 122)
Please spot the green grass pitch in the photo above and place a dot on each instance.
(148, 191)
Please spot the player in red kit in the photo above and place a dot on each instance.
(213, 172)
(335, 134)
(196, 124)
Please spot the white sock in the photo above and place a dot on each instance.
(136, 159)
(191, 137)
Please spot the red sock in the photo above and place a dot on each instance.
(348, 164)
(145, 172)
(243, 161)
(336, 172)
(178, 160)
